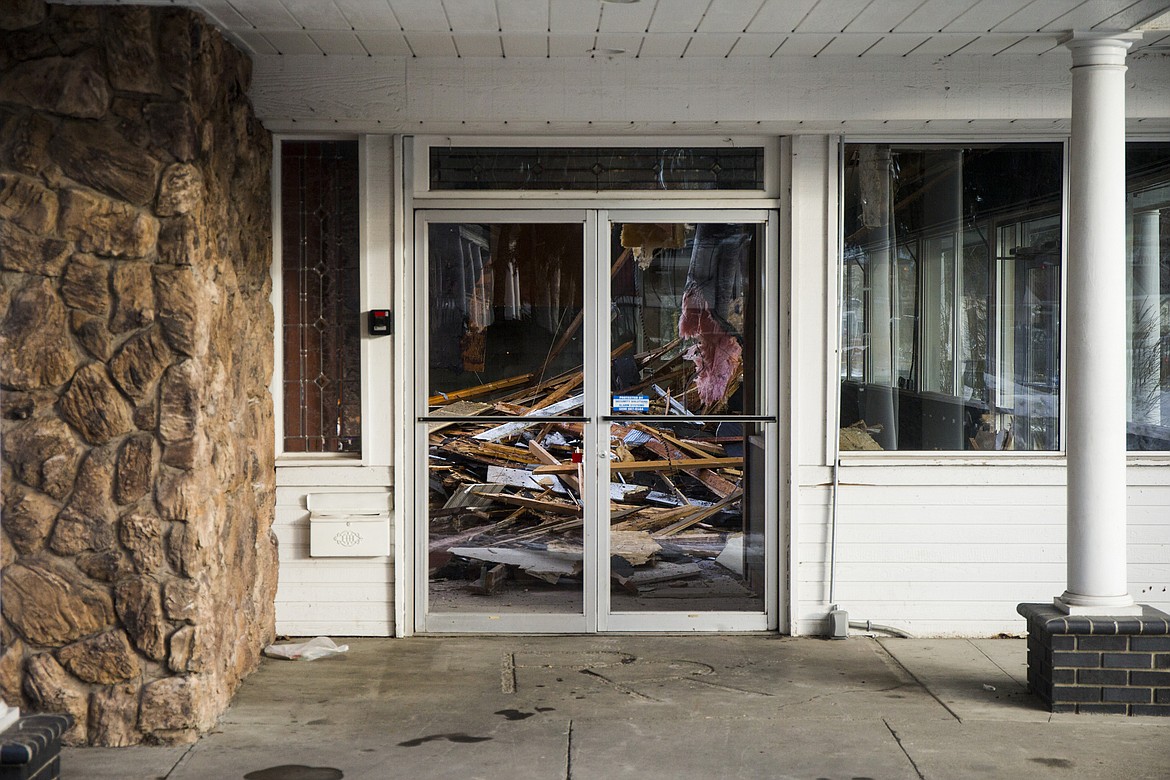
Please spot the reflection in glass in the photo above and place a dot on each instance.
(684, 318)
(950, 310)
(686, 498)
(1148, 245)
(504, 339)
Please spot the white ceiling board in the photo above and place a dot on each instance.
(366, 15)
(932, 16)
(730, 15)
(338, 42)
(1130, 17)
(988, 45)
(420, 16)
(472, 15)
(570, 45)
(664, 45)
(1086, 15)
(984, 16)
(479, 45)
(292, 43)
(853, 45)
(523, 15)
(807, 45)
(882, 15)
(1036, 15)
(256, 43)
(678, 16)
(831, 16)
(626, 18)
(266, 15)
(942, 45)
(758, 45)
(222, 13)
(711, 45)
(385, 44)
(431, 44)
(1033, 45)
(780, 15)
(317, 14)
(573, 16)
(898, 45)
(1150, 11)
(524, 45)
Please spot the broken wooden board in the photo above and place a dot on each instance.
(513, 428)
(457, 409)
(548, 459)
(660, 572)
(554, 507)
(473, 496)
(478, 390)
(490, 580)
(522, 478)
(545, 565)
(628, 494)
(634, 547)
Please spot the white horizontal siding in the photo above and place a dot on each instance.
(328, 596)
(938, 556)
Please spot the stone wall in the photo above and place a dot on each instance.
(136, 346)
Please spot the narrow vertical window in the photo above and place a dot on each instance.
(1147, 204)
(320, 283)
(950, 311)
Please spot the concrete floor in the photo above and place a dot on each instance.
(610, 707)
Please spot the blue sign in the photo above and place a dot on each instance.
(631, 403)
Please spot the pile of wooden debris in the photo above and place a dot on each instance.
(506, 497)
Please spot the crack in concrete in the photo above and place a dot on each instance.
(183, 759)
(905, 752)
(913, 677)
(1012, 677)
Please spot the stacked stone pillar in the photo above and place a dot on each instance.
(138, 566)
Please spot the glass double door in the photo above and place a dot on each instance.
(595, 432)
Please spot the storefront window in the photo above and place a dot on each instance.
(1147, 206)
(950, 317)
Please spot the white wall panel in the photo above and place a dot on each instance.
(340, 596)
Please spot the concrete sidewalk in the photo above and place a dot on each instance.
(608, 707)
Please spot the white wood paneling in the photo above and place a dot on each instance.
(625, 18)
(831, 17)
(679, 16)
(333, 42)
(420, 15)
(523, 16)
(730, 15)
(385, 44)
(293, 43)
(882, 15)
(781, 15)
(316, 15)
(473, 16)
(571, 16)
(714, 45)
(983, 16)
(343, 596)
(365, 16)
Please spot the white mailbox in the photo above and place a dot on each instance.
(355, 525)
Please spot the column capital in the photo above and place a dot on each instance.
(1098, 48)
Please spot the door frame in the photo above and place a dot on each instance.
(595, 616)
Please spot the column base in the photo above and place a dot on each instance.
(1096, 664)
(1085, 606)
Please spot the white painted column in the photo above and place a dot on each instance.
(1095, 355)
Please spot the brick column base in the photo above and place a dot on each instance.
(1118, 666)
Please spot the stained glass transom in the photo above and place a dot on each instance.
(597, 169)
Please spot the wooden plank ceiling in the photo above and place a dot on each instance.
(672, 28)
